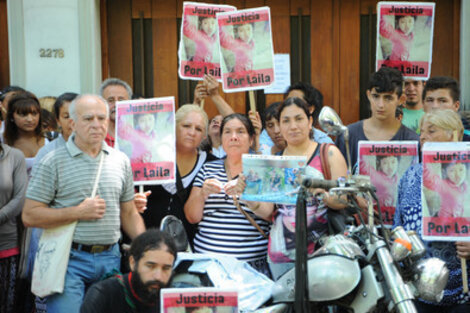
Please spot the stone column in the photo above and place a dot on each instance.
(55, 45)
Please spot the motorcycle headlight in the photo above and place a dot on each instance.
(432, 279)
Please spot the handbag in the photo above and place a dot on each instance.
(337, 219)
(53, 254)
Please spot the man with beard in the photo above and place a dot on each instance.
(113, 90)
(413, 110)
(152, 255)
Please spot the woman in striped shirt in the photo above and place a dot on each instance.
(222, 228)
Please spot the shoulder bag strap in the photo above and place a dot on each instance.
(98, 174)
(237, 204)
(325, 166)
(249, 218)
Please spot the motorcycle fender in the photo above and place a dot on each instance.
(369, 292)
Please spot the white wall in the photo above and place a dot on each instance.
(54, 45)
(465, 54)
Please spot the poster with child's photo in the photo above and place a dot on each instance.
(386, 162)
(198, 48)
(272, 178)
(246, 49)
(445, 198)
(404, 37)
(145, 132)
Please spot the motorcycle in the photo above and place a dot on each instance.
(363, 268)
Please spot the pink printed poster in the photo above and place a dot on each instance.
(199, 49)
(198, 300)
(385, 162)
(445, 197)
(246, 49)
(404, 37)
(145, 132)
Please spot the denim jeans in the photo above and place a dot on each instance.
(83, 270)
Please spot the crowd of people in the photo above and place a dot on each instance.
(46, 182)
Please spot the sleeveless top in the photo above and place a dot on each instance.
(281, 247)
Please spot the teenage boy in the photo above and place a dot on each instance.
(442, 93)
(384, 92)
(273, 131)
(413, 110)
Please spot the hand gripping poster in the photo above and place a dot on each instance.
(198, 48)
(145, 132)
(385, 162)
(198, 300)
(246, 49)
(272, 178)
(404, 37)
(445, 197)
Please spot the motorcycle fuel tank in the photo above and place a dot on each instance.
(330, 277)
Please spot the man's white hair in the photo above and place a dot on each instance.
(73, 105)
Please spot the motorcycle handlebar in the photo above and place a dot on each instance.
(319, 183)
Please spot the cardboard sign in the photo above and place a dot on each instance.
(272, 178)
(199, 49)
(198, 300)
(404, 37)
(445, 198)
(385, 162)
(145, 132)
(246, 49)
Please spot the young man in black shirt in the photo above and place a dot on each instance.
(384, 91)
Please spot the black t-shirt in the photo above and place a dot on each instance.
(114, 296)
(356, 133)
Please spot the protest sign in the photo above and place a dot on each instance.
(145, 132)
(404, 37)
(246, 49)
(385, 162)
(272, 178)
(198, 48)
(446, 209)
(200, 300)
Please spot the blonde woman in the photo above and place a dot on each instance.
(436, 126)
(169, 199)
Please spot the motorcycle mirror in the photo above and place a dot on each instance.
(330, 122)
(174, 226)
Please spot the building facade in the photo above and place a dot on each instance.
(331, 44)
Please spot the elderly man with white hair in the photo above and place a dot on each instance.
(59, 194)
